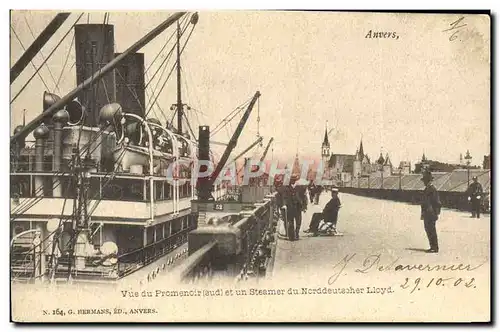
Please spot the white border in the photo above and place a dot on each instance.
(185, 4)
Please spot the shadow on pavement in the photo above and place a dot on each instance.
(416, 249)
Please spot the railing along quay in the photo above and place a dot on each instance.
(449, 199)
(238, 247)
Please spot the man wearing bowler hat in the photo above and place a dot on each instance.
(293, 201)
(431, 208)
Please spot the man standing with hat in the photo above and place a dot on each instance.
(431, 208)
(292, 200)
(475, 192)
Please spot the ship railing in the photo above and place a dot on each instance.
(120, 187)
(245, 251)
(24, 263)
(91, 270)
(138, 258)
(197, 266)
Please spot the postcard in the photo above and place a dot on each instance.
(250, 166)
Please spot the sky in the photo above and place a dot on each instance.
(418, 93)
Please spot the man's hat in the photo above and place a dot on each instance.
(335, 190)
(427, 176)
(474, 177)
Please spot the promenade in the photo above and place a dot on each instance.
(381, 253)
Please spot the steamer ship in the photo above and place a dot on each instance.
(105, 190)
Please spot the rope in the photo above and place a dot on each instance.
(165, 67)
(51, 53)
(64, 77)
(258, 119)
(41, 54)
(24, 49)
(173, 67)
(65, 62)
(189, 95)
(157, 104)
(167, 57)
(224, 122)
(163, 47)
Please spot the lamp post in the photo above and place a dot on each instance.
(400, 174)
(359, 178)
(381, 168)
(468, 158)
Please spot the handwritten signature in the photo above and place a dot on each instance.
(455, 27)
(373, 263)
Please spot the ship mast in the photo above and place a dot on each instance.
(95, 77)
(179, 96)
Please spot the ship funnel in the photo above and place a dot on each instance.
(75, 110)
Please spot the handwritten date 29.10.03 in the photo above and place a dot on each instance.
(416, 284)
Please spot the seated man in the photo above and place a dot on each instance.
(329, 215)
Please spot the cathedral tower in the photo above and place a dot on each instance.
(325, 149)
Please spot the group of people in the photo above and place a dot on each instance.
(431, 207)
(292, 201)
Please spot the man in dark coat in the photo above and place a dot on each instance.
(430, 210)
(293, 201)
(312, 190)
(331, 210)
(475, 193)
(329, 214)
(319, 190)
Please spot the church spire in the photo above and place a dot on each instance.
(361, 153)
(325, 140)
(387, 161)
(380, 159)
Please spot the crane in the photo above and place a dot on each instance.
(267, 149)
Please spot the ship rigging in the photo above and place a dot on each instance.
(93, 200)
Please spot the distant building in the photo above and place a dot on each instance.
(341, 167)
(296, 168)
(387, 166)
(346, 168)
(405, 167)
(362, 165)
(437, 166)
